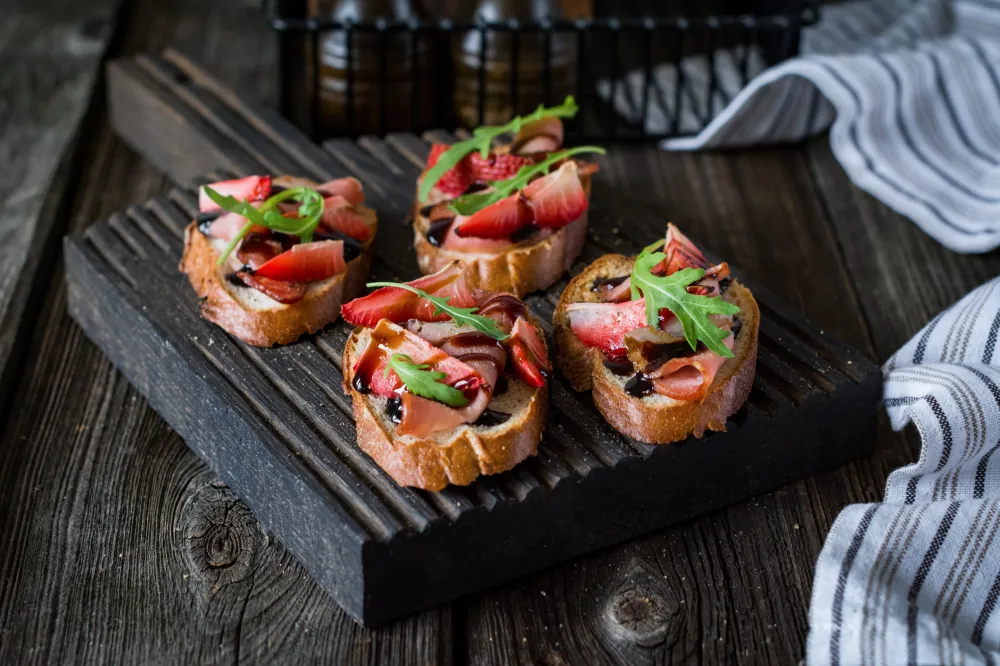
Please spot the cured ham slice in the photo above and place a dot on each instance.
(688, 377)
(528, 351)
(399, 305)
(349, 188)
(542, 136)
(339, 215)
(388, 338)
(422, 417)
(228, 225)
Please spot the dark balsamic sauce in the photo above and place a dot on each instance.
(737, 326)
(205, 220)
(502, 386)
(235, 279)
(352, 246)
(524, 233)
(657, 355)
(478, 186)
(438, 229)
(360, 383)
(618, 366)
(278, 189)
(607, 284)
(638, 386)
(426, 210)
(394, 410)
(471, 340)
(491, 418)
(724, 285)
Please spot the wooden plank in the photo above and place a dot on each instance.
(51, 50)
(118, 545)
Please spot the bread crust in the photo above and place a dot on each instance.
(655, 419)
(527, 267)
(281, 324)
(429, 463)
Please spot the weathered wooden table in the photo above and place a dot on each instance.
(117, 544)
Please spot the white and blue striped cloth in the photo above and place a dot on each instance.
(916, 579)
(910, 90)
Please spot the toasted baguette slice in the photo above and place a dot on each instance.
(251, 315)
(453, 457)
(529, 266)
(655, 418)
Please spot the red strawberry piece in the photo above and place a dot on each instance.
(531, 361)
(558, 198)
(279, 290)
(495, 166)
(306, 262)
(399, 305)
(454, 181)
(349, 188)
(498, 220)
(339, 216)
(251, 188)
(452, 241)
(604, 325)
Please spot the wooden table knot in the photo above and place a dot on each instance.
(642, 609)
(222, 536)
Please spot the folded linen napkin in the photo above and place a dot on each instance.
(916, 579)
(910, 90)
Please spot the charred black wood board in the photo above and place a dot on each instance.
(276, 426)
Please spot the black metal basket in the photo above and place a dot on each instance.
(640, 77)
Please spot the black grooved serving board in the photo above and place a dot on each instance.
(276, 425)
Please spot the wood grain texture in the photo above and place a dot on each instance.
(117, 544)
(50, 53)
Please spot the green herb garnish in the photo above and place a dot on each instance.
(670, 292)
(468, 204)
(310, 213)
(482, 138)
(420, 380)
(462, 316)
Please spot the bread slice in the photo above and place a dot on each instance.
(457, 456)
(655, 418)
(252, 316)
(529, 266)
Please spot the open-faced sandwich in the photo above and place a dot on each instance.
(514, 216)
(275, 259)
(666, 343)
(447, 383)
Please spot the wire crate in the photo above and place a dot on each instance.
(634, 77)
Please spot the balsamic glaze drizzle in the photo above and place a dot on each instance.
(639, 385)
(607, 284)
(524, 233)
(394, 410)
(618, 366)
(438, 229)
(491, 418)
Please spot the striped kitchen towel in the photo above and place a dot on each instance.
(910, 90)
(916, 579)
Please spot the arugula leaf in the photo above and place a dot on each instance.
(420, 380)
(482, 137)
(310, 213)
(468, 204)
(462, 316)
(670, 292)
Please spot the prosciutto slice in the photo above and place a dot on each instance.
(388, 338)
(604, 325)
(399, 305)
(422, 417)
(688, 377)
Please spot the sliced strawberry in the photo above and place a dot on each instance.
(251, 188)
(278, 290)
(527, 350)
(349, 188)
(454, 181)
(339, 216)
(399, 305)
(495, 166)
(496, 221)
(306, 262)
(542, 136)
(604, 325)
(472, 244)
(558, 198)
